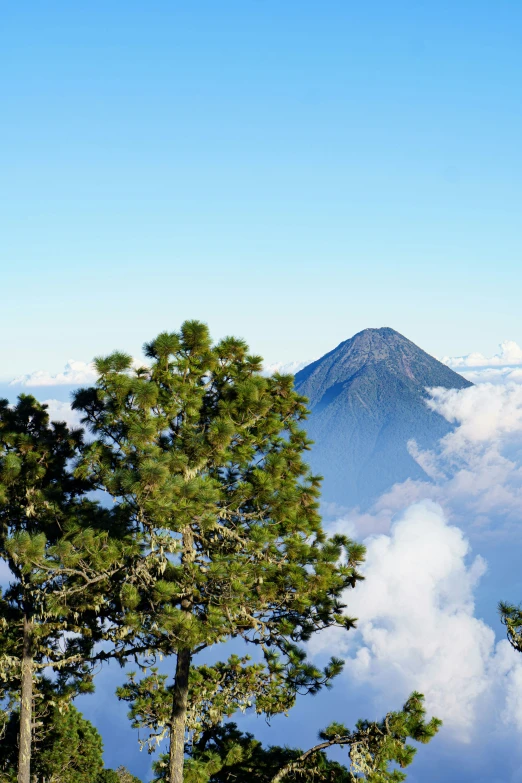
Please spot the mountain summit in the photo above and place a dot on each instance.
(368, 399)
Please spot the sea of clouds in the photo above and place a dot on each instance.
(420, 626)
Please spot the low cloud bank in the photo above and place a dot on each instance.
(510, 355)
(286, 368)
(74, 373)
(474, 472)
(503, 367)
(419, 627)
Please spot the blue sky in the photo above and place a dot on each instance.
(291, 172)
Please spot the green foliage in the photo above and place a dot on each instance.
(226, 755)
(108, 776)
(217, 692)
(511, 617)
(62, 558)
(204, 456)
(120, 775)
(214, 534)
(68, 749)
(64, 551)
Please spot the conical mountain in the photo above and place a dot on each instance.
(367, 400)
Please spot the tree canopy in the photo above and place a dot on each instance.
(61, 557)
(205, 456)
(378, 751)
(213, 534)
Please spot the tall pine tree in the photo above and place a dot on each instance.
(205, 456)
(61, 557)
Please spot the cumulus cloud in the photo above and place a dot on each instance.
(417, 628)
(482, 413)
(74, 373)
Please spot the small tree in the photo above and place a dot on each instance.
(61, 558)
(205, 456)
(120, 775)
(511, 617)
(68, 751)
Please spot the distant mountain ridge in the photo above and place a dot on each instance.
(367, 400)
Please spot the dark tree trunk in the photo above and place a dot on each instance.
(26, 706)
(179, 717)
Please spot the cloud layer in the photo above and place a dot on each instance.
(475, 472)
(510, 355)
(419, 624)
(417, 628)
(286, 368)
(73, 374)
(503, 367)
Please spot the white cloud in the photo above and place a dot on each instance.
(74, 373)
(418, 625)
(510, 355)
(503, 367)
(497, 375)
(483, 413)
(286, 368)
(474, 472)
(62, 411)
(417, 628)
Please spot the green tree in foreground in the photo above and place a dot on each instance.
(511, 617)
(205, 457)
(69, 750)
(61, 559)
(226, 755)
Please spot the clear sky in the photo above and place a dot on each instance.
(292, 172)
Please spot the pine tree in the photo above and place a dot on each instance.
(61, 557)
(68, 751)
(227, 755)
(205, 456)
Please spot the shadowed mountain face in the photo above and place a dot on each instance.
(367, 398)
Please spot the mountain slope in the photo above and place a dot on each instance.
(367, 398)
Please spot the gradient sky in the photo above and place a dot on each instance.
(290, 172)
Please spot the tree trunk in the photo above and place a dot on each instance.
(179, 717)
(26, 706)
